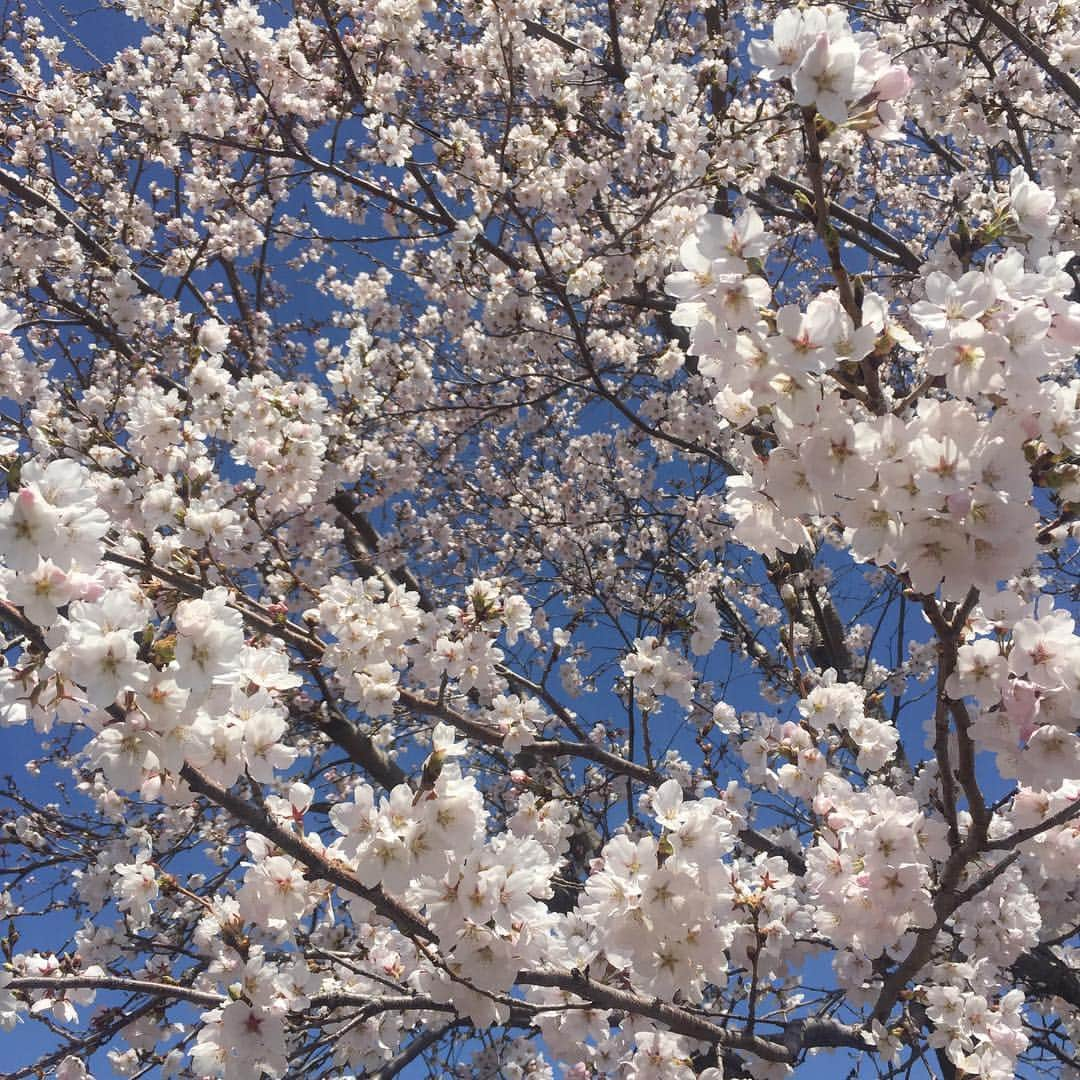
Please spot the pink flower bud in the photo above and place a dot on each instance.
(1022, 703)
(1029, 425)
(959, 503)
(1065, 327)
(895, 82)
(90, 589)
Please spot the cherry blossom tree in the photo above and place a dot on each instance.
(538, 539)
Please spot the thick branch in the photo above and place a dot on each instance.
(60, 983)
(1045, 972)
(904, 255)
(1021, 836)
(1033, 52)
(797, 1036)
(410, 1053)
(319, 865)
(344, 62)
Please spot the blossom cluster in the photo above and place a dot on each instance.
(378, 377)
(665, 919)
(658, 671)
(843, 75)
(51, 535)
(870, 871)
(943, 494)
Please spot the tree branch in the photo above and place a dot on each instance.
(1033, 52)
